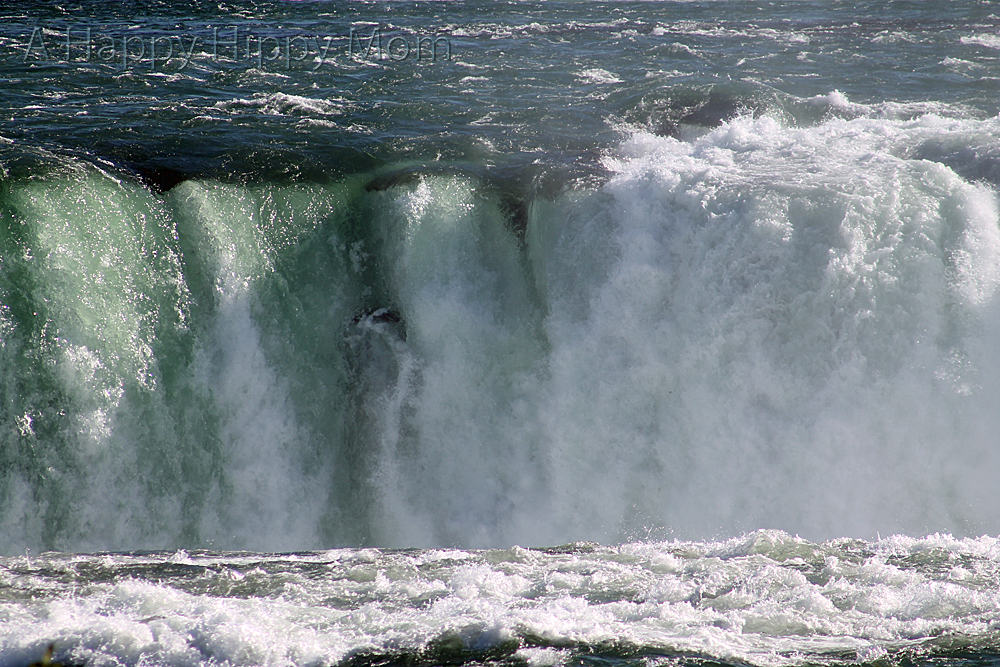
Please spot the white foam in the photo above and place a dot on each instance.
(283, 104)
(598, 76)
(749, 600)
(779, 301)
(988, 40)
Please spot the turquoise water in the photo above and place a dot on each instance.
(381, 284)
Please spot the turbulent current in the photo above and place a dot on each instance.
(321, 323)
(763, 599)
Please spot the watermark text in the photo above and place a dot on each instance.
(162, 51)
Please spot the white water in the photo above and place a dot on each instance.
(782, 327)
(760, 326)
(763, 326)
(763, 599)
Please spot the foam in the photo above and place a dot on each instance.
(790, 296)
(741, 600)
(283, 104)
(991, 41)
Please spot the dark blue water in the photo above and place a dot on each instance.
(520, 87)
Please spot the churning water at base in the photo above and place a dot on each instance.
(763, 599)
(292, 355)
